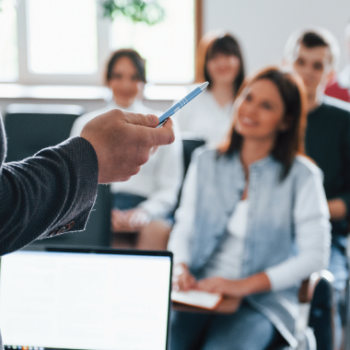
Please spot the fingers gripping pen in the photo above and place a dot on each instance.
(172, 110)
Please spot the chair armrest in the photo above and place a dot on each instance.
(307, 288)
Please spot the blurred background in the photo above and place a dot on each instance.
(65, 44)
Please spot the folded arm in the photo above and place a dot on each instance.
(312, 234)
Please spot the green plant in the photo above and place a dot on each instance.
(150, 12)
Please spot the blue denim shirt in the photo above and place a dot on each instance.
(270, 236)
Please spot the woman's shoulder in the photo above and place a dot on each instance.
(304, 166)
(210, 157)
(205, 152)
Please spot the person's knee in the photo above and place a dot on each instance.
(159, 227)
(154, 235)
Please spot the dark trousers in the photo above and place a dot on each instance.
(246, 329)
(338, 266)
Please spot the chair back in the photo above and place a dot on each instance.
(189, 145)
(319, 332)
(32, 127)
(320, 316)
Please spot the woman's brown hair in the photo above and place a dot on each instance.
(289, 142)
(133, 56)
(212, 44)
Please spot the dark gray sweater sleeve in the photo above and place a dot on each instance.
(45, 195)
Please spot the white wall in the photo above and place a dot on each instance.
(263, 26)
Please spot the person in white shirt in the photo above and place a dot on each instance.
(144, 203)
(253, 222)
(219, 61)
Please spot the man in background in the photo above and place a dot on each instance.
(339, 86)
(313, 55)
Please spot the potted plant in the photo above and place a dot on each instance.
(146, 11)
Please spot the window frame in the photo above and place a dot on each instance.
(26, 77)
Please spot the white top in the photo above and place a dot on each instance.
(160, 178)
(205, 118)
(284, 275)
(226, 261)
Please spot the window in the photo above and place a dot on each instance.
(168, 47)
(68, 42)
(8, 42)
(62, 41)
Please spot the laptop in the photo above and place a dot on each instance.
(85, 298)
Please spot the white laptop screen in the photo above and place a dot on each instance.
(91, 301)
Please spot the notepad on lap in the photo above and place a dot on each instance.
(197, 298)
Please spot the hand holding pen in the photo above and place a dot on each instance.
(177, 106)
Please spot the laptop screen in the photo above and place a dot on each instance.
(85, 300)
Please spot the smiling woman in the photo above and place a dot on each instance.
(125, 76)
(244, 210)
(144, 203)
(271, 109)
(220, 62)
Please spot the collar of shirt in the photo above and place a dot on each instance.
(227, 108)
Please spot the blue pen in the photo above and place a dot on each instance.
(172, 110)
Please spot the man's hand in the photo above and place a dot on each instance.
(123, 142)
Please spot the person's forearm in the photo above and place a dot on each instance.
(241, 288)
(168, 179)
(257, 283)
(337, 209)
(179, 246)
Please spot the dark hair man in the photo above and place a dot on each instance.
(313, 55)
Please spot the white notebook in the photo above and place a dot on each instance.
(197, 298)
